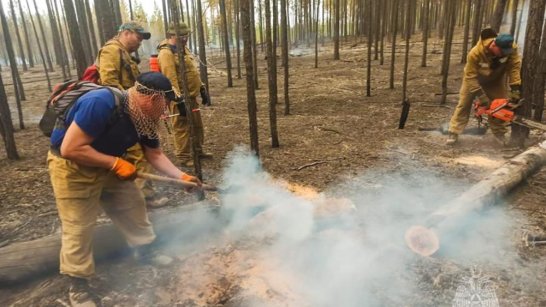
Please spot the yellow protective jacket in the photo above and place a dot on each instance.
(482, 68)
(168, 65)
(116, 67)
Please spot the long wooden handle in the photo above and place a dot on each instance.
(186, 184)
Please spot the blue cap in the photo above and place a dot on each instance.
(505, 42)
(135, 27)
(158, 82)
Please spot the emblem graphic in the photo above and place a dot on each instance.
(475, 291)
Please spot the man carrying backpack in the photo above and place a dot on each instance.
(169, 66)
(118, 69)
(88, 171)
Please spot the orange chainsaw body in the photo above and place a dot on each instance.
(499, 108)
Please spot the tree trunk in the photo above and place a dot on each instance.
(450, 18)
(78, 52)
(369, 39)
(40, 48)
(514, 16)
(91, 27)
(272, 77)
(202, 52)
(336, 30)
(476, 24)
(13, 68)
(406, 56)
(393, 46)
(27, 40)
(496, 19)
(466, 31)
(6, 125)
(530, 63)
(64, 44)
(54, 35)
(226, 42)
(16, 30)
(316, 34)
(254, 46)
(426, 23)
(284, 43)
(84, 31)
(250, 92)
(238, 37)
(105, 20)
(540, 79)
(46, 48)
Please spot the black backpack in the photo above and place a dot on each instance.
(62, 98)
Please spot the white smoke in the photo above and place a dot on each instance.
(355, 256)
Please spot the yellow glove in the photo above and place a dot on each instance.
(123, 169)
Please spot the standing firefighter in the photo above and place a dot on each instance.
(169, 66)
(88, 172)
(118, 69)
(489, 64)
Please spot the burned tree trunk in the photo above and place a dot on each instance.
(540, 79)
(284, 44)
(78, 52)
(272, 77)
(250, 91)
(369, 51)
(336, 30)
(16, 30)
(40, 49)
(530, 63)
(466, 30)
(202, 53)
(496, 19)
(13, 66)
(27, 40)
(46, 48)
(393, 46)
(226, 42)
(6, 125)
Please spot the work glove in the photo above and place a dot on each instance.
(482, 99)
(205, 99)
(515, 93)
(123, 169)
(180, 105)
(189, 178)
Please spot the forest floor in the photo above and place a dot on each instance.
(338, 194)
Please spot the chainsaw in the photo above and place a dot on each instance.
(503, 109)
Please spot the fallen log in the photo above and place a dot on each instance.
(486, 192)
(24, 261)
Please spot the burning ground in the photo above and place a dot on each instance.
(321, 220)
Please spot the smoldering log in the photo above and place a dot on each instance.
(486, 192)
(498, 184)
(24, 261)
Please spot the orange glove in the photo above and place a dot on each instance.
(189, 178)
(124, 170)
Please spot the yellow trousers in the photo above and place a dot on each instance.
(80, 193)
(461, 115)
(181, 132)
(135, 155)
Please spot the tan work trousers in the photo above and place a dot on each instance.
(135, 155)
(181, 132)
(80, 192)
(461, 115)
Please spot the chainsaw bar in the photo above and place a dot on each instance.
(529, 123)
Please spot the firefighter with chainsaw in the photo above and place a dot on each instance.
(89, 171)
(117, 68)
(169, 66)
(492, 64)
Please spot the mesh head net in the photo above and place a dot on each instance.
(146, 107)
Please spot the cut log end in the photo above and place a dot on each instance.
(422, 240)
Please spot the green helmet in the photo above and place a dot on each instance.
(183, 29)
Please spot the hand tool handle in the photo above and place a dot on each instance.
(186, 184)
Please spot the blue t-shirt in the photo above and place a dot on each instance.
(113, 132)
